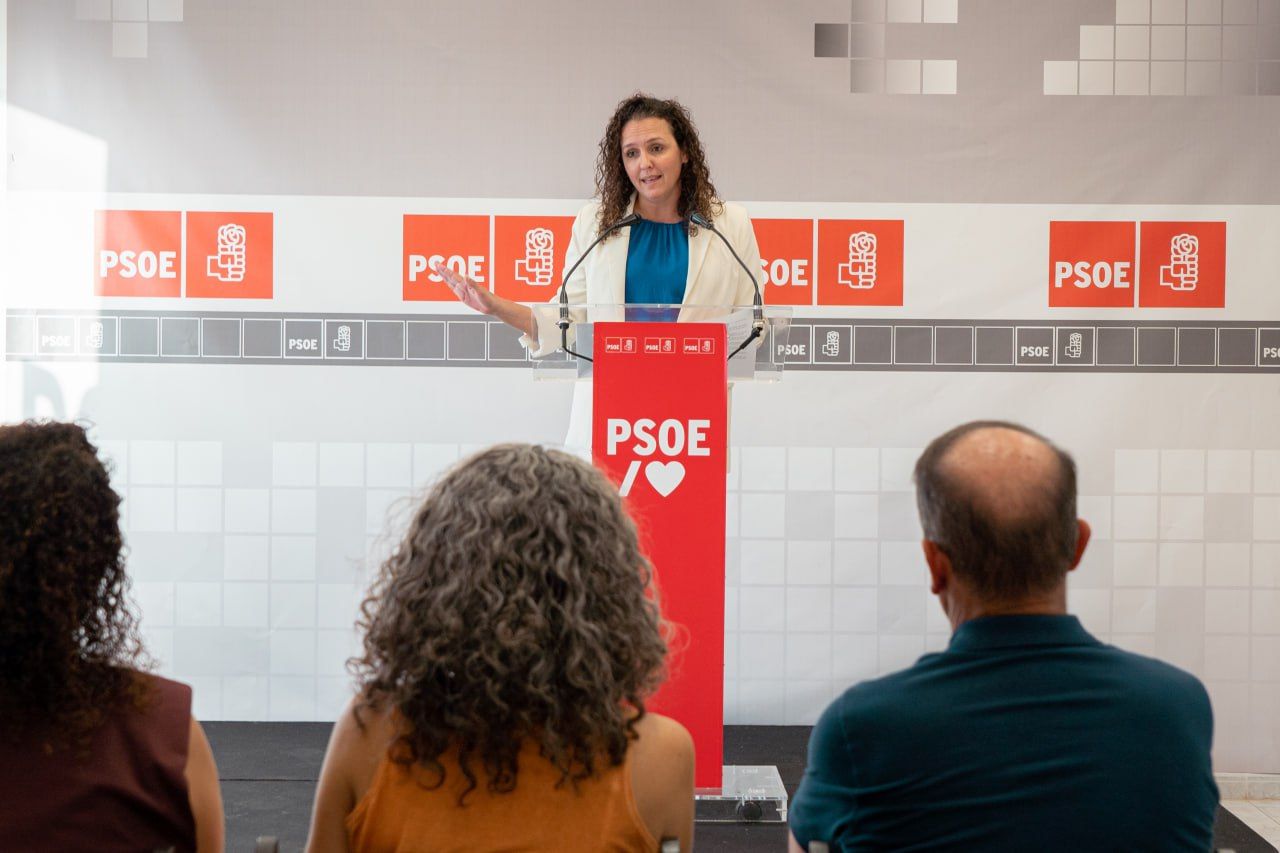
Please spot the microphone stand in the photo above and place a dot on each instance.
(757, 303)
(563, 322)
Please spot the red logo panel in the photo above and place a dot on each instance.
(1184, 265)
(528, 255)
(860, 261)
(230, 255)
(786, 256)
(459, 242)
(137, 253)
(1091, 264)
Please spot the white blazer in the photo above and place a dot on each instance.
(714, 279)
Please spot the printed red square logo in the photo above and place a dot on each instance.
(459, 242)
(230, 255)
(1184, 265)
(137, 253)
(1091, 264)
(860, 261)
(528, 256)
(786, 256)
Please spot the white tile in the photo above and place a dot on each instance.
(731, 512)
(1266, 471)
(244, 697)
(941, 12)
(293, 605)
(855, 609)
(293, 652)
(1266, 566)
(1061, 77)
(245, 605)
(1096, 509)
(1134, 517)
(761, 702)
(1266, 517)
(387, 511)
(854, 658)
(1266, 611)
(292, 698)
(93, 10)
(1133, 611)
(200, 463)
(1181, 564)
(1182, 517)
(731, 607)
(1226, 611)
(896, 466)
(809, 655)
(293, 558)
(1097, 42)
(159, 644)
(389, 466)
(809, 562)
(1134, 564)
(856, 563)
(1137, 471)
(1169, 43)
(167, 11)
(1139, 644)
(762, 561)
(151, 509)
(115, 456)
(733, 476)
(1226, 658)
(129, 10)
(246, 558)
(935, 619)
(762, 655)
(199, 510)
(1133, 43)
(338, 604)
(809, 469)
(901, 610)
(246, 510)
(1133, 11)
(857, 516)
(806, 700)
(764, 468)
(198, 605)
(293, 463)
(1168, 78)
(1229, 471)
(764, 514)
(904, 11)
(936, 642)
(902, 76)
(431, 460)
(808, 610)
(341, 464)
(1093, 607)
(762, 608)
(1133, 78)
(1204, 12)
(293, 511)
(155, 603)
(1240, 11)
(1182, 471)
(1203, 43)
(902, 564)
(1168, 11)
(857, 469)
(1226, 564)
(206, 696)
(1265, 656)
(151, 463)
(334, 648)
(899, 652)
(938, 77)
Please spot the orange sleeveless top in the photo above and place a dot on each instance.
(399, 813)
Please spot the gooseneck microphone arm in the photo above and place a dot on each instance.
(757, 303)
(563, 322)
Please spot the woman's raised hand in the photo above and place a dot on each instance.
(469, 293)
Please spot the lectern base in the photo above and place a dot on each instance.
(749, 794)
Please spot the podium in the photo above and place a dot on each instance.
(659, 430)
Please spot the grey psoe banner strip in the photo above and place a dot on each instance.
(460, 340)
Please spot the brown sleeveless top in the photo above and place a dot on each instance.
(129, 793)
(399, 813)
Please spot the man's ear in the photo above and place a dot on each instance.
(939, 563)
(1083, 532)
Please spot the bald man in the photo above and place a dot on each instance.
(1026, 733)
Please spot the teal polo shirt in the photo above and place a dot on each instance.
(1026, 733)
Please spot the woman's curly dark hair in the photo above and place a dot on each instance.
(518, 607)
(69, 645)
(613, 187)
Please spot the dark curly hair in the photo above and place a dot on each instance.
(518, 607)
(613, 187)
(69, 645)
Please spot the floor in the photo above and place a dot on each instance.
(268, 773)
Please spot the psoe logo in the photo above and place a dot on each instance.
(859, 272)
(670, 438)
(230, 254)
(1092, 264)
(1183, 270)
(860, 261)
(537, 267)
(1183, 265)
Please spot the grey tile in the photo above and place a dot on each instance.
(899, 517)
(139, 336)
(798, 348)
(99, 335)
(1157, 347)
(866, 76)
(1116, 345)
(20, 335)
(1239, 78)
(425, 339)
(1269, 78)
(1197, 347)
(913, 345)
(56, 335)
(1237, 347)
(901, 609)
(1228, 518)
(1035, 345)
(343, 339)
(504, 343)
(868, 10)
(993, 345)
(220, 651)
(175, 556)
(810, 515)
(834, 345)
(303, 339)
(831, 40)
(384, 339)
(220, 337)
(873, 345)
(180, 336)
(246, 464)
(340, 534)
(953, 345)
(866, 41)
(1096, 569)
(466, 340)
(1075, 345)
(263, 338)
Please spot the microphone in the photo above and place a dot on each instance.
(563, 323)
(757, 303)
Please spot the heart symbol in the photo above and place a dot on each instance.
(664, 476)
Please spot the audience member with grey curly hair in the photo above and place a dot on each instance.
(510, 643)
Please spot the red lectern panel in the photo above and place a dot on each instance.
(660, 432)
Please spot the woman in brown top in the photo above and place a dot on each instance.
(510, 643)
(98, 755)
